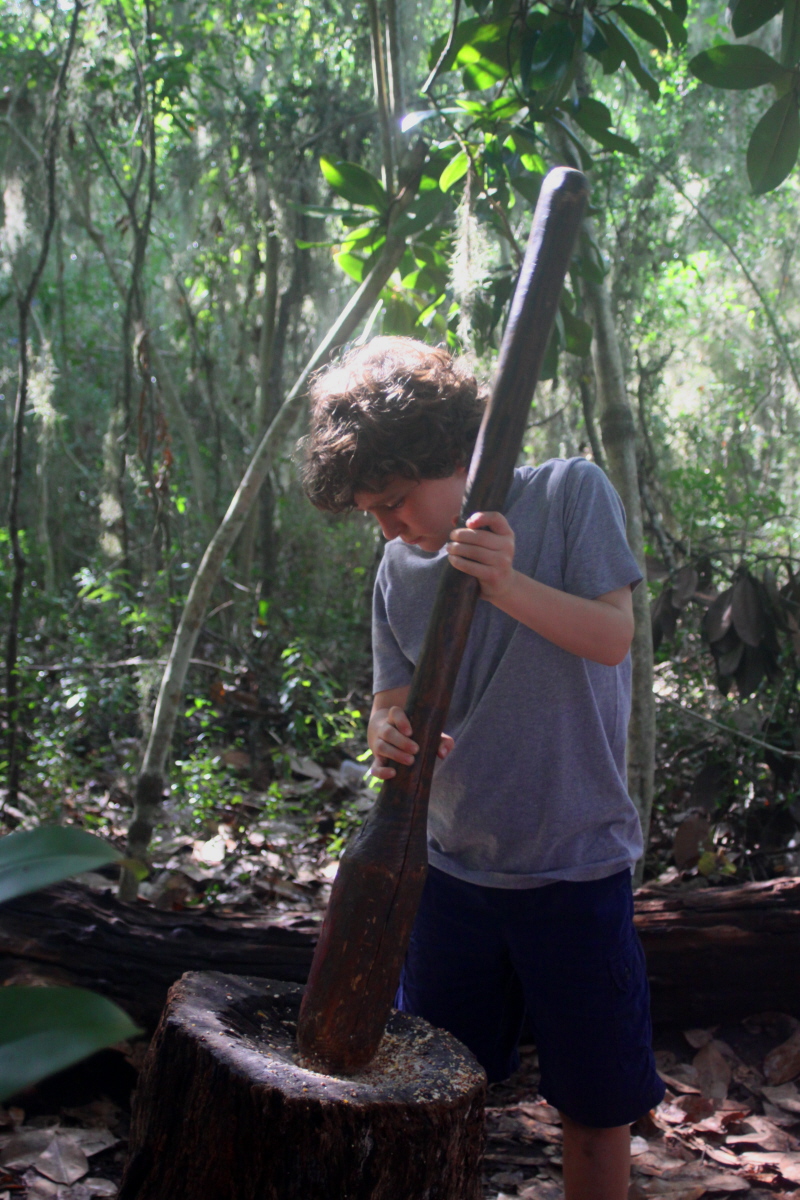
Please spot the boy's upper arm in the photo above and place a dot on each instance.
(620, 598)
(599, 561)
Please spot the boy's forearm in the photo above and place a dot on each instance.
(600, 630)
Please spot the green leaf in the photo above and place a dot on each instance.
(353, 183)
(479, 72)
(44, 1030)
(463, 34)
(586, 160)
(456, 169)
(774, 144)
(352, 266)
(790, 33)
(577, 334)
(644, 26)
(592, 115)
(589, 261)
(614, 141)
(680, 8)
(592, 39)
(738, 67)
(611, 57)
(749, 15)
(424, 209)
(551, 56)
(674, 26)
(528, 186)
(35, 858)
(620, 45)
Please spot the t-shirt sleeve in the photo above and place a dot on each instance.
(391, 668)
(598, 558)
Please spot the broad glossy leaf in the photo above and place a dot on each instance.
(643, 25)
(749, 15)
(464, 33)
(480, 72)
(35, 858)
(717, 618)
(412, 120)
(44, 1030)
(594, 118)
(773, 147)
(586, 160)
(425, 209)
(790, 33)
(755, 664)
(592, 39)
(577, 333)
(353, 183)
(611, 57)
(680, 8)
(589, 261)
(352, 266)
(738, 67)
(747, 615)
(674, 26)
(592, 115)
(624, 47)
(685, 586)
(551, 56)
(456, 169)
(589, 32)
(528, 186)
(614, 141)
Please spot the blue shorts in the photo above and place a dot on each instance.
(568, 953)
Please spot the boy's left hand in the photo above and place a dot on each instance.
(485, 549)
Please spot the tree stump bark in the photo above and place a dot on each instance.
(225, 1110)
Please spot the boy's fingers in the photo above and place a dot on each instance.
(399, 720)
(395, 751)
(489, 520)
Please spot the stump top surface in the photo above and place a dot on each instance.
(251, 1025)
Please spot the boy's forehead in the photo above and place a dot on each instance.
(390, 490)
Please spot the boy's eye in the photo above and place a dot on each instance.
(396, 504)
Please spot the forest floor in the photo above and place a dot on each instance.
(721, 1129)
(730, 1122)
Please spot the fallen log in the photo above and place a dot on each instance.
(223, 1071)
(719, 954)
(133, 953)
(714, 954)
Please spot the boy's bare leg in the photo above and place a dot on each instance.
(597, 1162)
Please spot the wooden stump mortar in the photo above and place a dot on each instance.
(224, 1109)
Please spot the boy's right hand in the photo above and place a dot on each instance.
(390, 740)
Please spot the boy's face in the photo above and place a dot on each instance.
(422, 512)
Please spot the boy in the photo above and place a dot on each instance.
(531, 835)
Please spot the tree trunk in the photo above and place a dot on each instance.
(134, 953)
(618, 428)
(223, 1072)
(150, 784)
(24, 302)
(180, 420)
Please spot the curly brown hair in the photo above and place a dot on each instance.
(392, 407)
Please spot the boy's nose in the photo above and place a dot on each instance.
(391, 527)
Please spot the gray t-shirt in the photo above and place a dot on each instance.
(534, 790)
